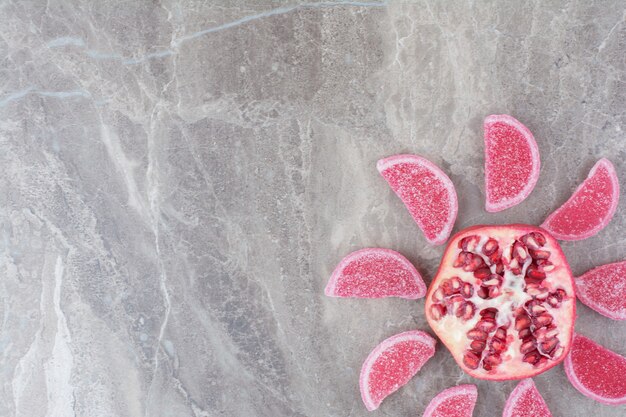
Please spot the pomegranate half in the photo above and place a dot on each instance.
(503, 301)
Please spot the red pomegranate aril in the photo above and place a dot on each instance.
(539, 254)
(438, 295)
(532, 356)
(507, 280)
(549, 345)
(476, 334)
(489, 312)
(525, 333)
(437, 311)
(527, 345)
(486, 325)
(543, 320)
(471, 360)
(490, 247)
(482, 273)
(467, 290)
(478, 345)
(522, 322)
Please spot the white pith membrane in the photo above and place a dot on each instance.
(512, 299)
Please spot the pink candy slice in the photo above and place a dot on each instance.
(525, 401)
(427, 192)
(604, 290)
(596, 372)
(392, 364)
(375, 273)
(590, 208)
(511, 162)
(453, 402)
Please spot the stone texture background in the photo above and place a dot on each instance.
(179, 178)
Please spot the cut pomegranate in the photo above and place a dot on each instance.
(453, 402)
(427, 192)
(525, 401)
(604, 290)
(596, 372)
(375, 273)
(590, 208)
(392, 364)
(521, 312)
(511, 162)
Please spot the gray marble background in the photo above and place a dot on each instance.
(179, 178)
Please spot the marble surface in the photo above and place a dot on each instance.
(180, 178)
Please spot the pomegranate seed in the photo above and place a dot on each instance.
(548, 267)
(537, 309)
(469, 243)
(490, 247)
(558, 352)
(494, 292)
(438, 295)
(519, 252)
(527, 345)
(531, 357)
(494, 258)
(474, 263)
(486, 325)
(542, 296)
(543, 320)
(560, 294)
(525, 333)
(549, 345)
(477, 334)
(483, 292)
(535, 289)
(482, 273)
(541, 361)
(500, 333)
(448, 287)
(553, 301)
(461, 259)
(471, 360)
(539, 254)
(454, 303)
(489, 312)
(522, 322)
(493, 360)
(456, 283)
(497, 345)
(467, 290)
(535, 273)
(437, 311)
(493, 280)
(534, 240)
(478, 345)
(552, 332)
(468, 311)
(499, 268)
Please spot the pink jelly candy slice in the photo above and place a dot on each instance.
(596, 372)
(453, 402)
(525, 401)
(511, 162)
(590, 208)
(427, 192)
(376, 273)
(392, 364)
(604, 290)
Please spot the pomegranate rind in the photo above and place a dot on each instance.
(457, 401)
(510, 166)
(571, 222)
(448, 259)
(588, 358)
(432, 204)
(422, 349)
(398, 279)
(526, 401)
(603, 289)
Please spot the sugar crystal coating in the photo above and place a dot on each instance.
(596, 371)
(590, 208)
(525, 401)
(453, 402)
(604, 290)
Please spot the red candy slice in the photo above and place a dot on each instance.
(511, 162)
(596, 372)
(376, 273)
(525, 401)
(453, 402)
(604, 290)
(590, 208)
(392, 364)
(427, 192)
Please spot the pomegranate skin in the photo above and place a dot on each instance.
(510, 364)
